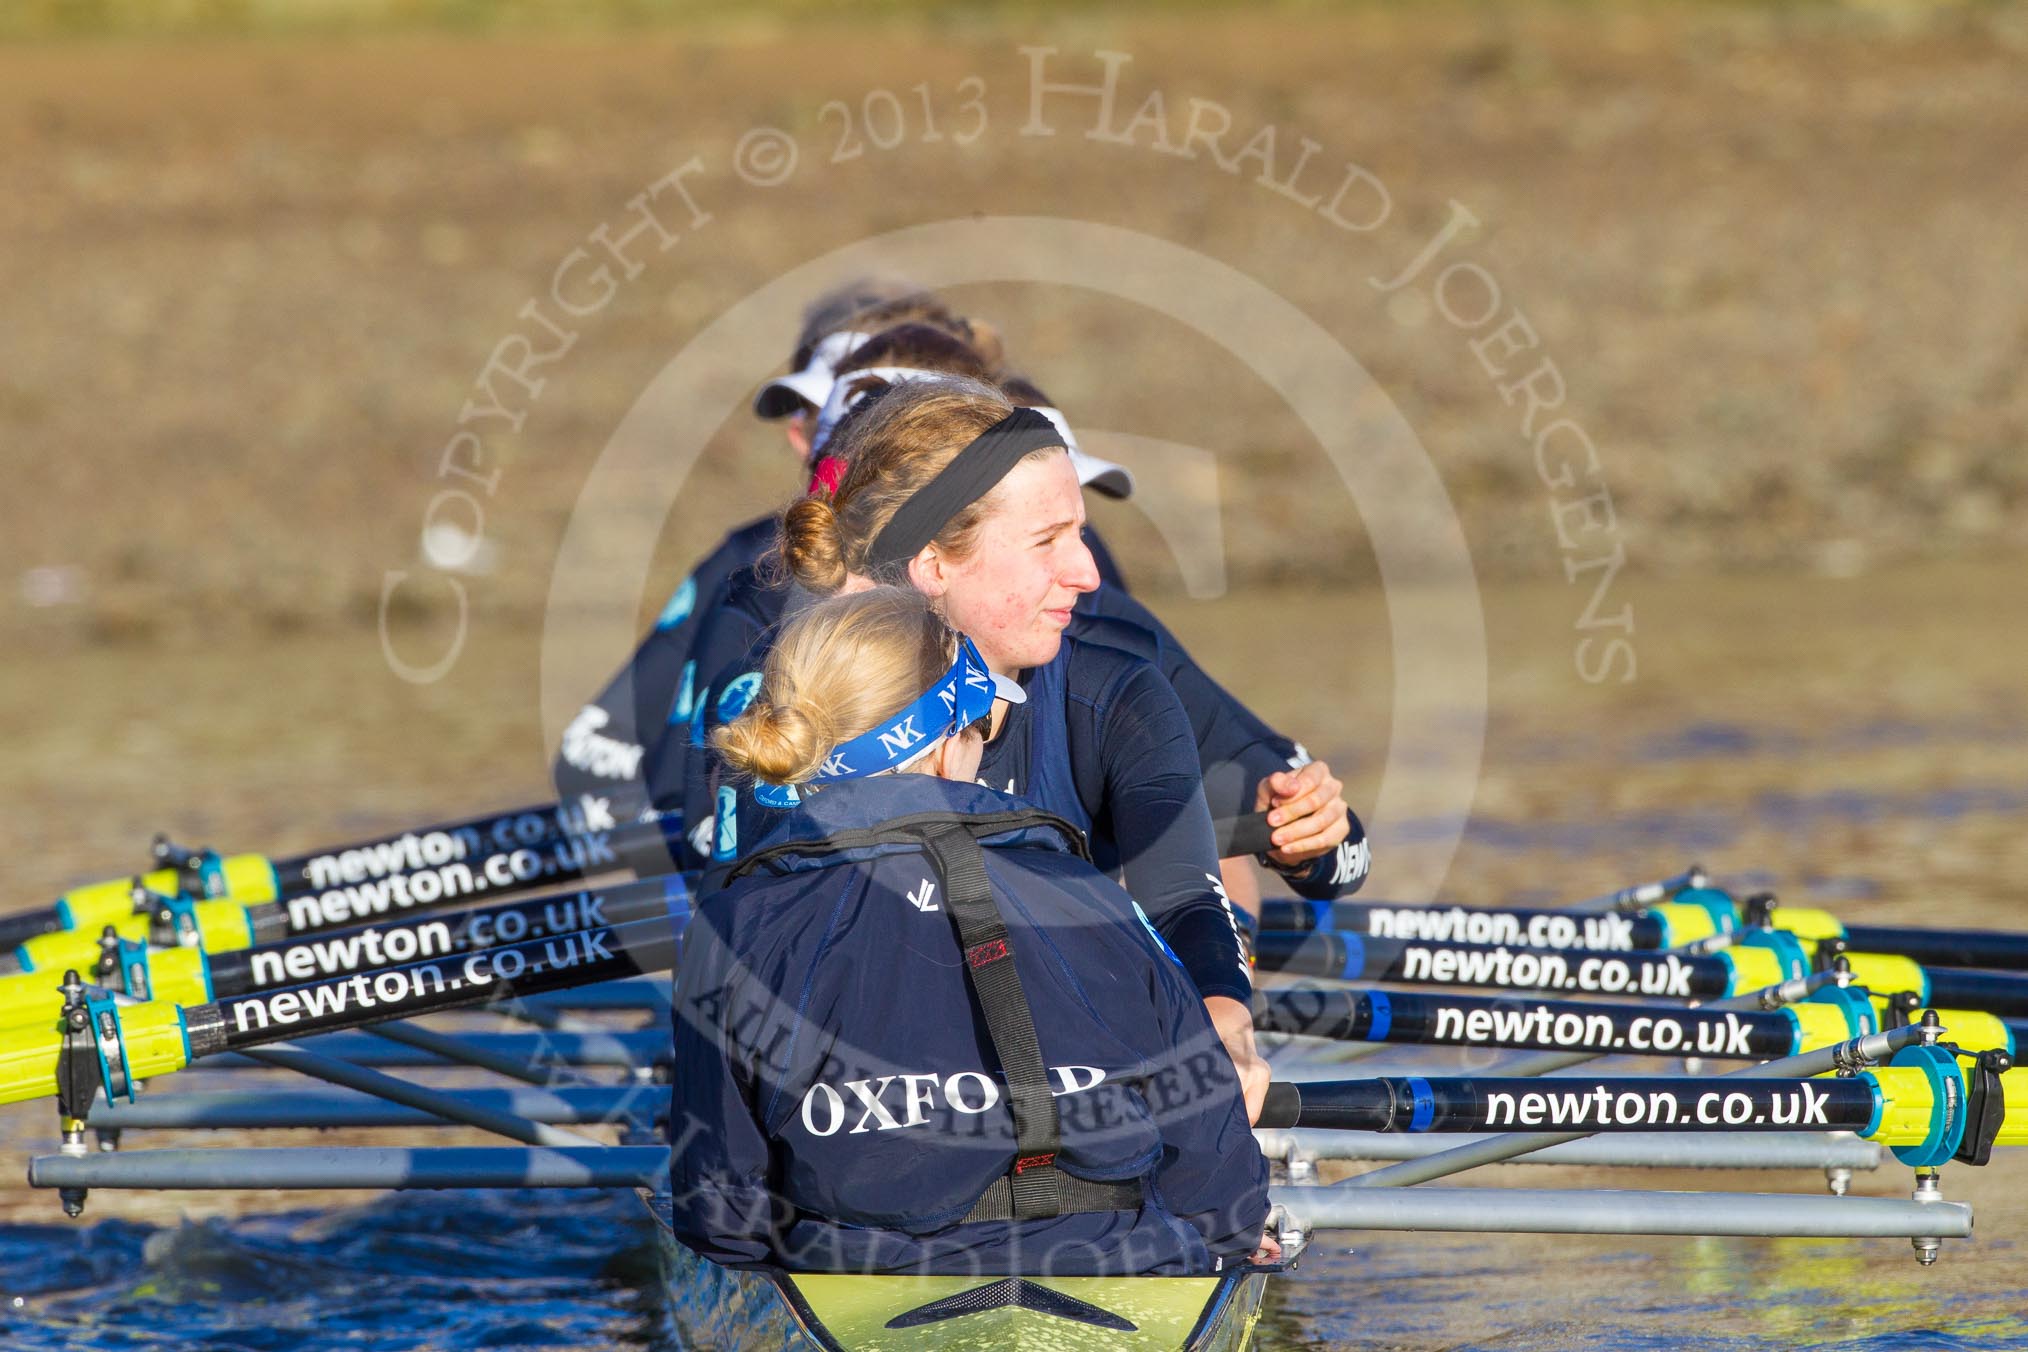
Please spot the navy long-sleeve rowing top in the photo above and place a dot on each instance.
(838, 1102)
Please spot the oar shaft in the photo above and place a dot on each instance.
(1547, 1025)
(438, 935)
(2001, 993)
(606, 953)
(1596, 1104)
(16, 930)
(505, 852)
(1350, 958)
(1611, 931)
(405, 852)
(1942, 948)
(1695, 914)
(157, 1037)
(191, 976)
(256, 878)
(1887, 974)
(498, 874)
(1920, 1103)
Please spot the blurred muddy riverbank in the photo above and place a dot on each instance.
(1773, 254)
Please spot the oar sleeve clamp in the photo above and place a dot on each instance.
(1757, 911)
(1985, 1105)
(92, 1057)
(199, 872)
(107, 970)
(1863, 1053)
(1901, 1007)
(172, 920)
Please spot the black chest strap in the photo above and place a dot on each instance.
(1035, 1184)
(1035, 1187)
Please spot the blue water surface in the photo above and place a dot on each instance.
(414, 1272)
(443, 1272)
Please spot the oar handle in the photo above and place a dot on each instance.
(1248, 834)
(16, 930)
(1282, 1107)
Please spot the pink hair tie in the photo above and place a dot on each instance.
(826, 475)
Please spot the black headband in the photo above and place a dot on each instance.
(971, 475)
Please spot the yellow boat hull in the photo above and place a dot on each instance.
(712, 1306)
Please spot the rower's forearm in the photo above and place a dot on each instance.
(1203, 940)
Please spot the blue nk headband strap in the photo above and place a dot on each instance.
(962, 695)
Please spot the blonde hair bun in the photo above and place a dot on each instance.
(775, 743)
(838, 669)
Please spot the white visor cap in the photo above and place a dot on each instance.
(787, 394)
(1100, 476)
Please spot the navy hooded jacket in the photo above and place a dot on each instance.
(838, 1104)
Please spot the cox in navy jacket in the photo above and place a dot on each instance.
(838, 1106)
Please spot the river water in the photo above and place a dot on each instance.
(1857, 744)
(569, 1270)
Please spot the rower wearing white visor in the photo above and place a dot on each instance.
(860, 383)
(601, 757)
(787, 396)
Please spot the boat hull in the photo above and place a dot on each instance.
(714, 1307)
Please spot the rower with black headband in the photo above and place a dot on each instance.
(1247, 765)
(919, 1031)
(950, 489)
(603, 751)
